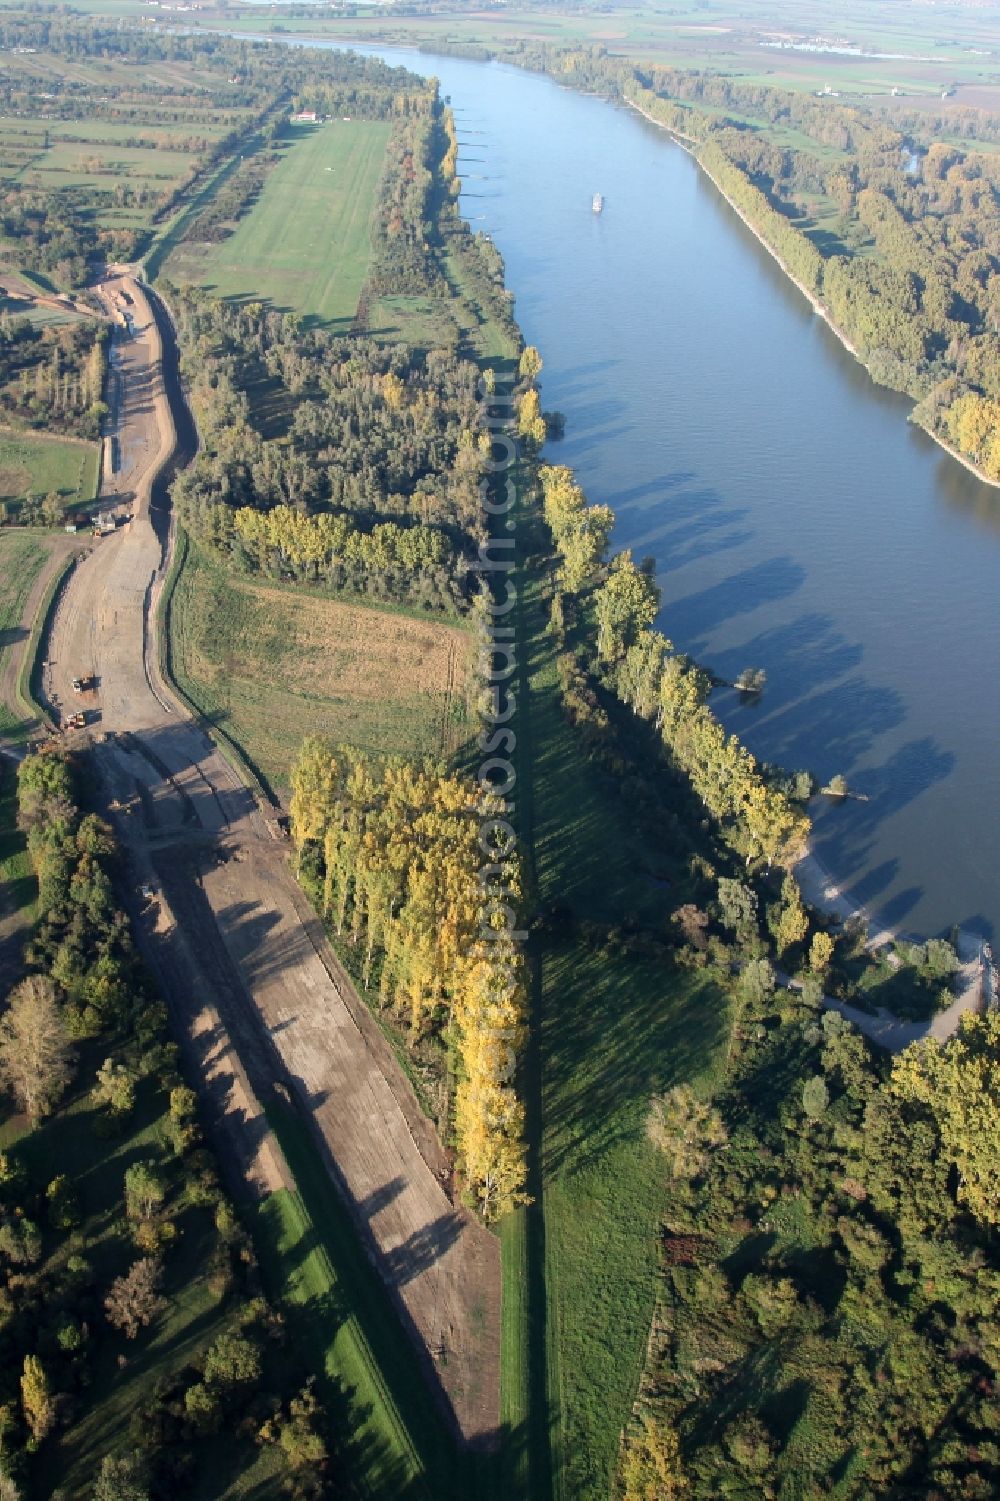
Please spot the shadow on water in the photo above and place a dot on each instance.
(846, 837)
(580, 380)
(694, 616)
(810, 648)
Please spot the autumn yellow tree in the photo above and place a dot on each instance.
(651, 1465)
(530, 422)
(407, 879)
(957, 1085)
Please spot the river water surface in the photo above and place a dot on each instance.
(799, 523)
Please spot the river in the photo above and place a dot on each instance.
(799, 522)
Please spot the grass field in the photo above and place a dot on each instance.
(22, 555)
(18, 888)
(39, 465)
(274, 664)
(305, 246)
(340, 1315)
(614, 1027)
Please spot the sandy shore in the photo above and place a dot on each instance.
(822, 891)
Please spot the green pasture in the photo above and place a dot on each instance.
(305, 246)
(40, 465)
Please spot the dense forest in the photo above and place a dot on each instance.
(827, 1317)
(372, 482)
(114, 1228)
(53, 377)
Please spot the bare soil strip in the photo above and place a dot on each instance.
(262, 998)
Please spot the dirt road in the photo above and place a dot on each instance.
(228, 922)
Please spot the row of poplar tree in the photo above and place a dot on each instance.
(409, 868)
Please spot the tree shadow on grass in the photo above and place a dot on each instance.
(618, 1029)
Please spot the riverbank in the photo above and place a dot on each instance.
(823, 892)
(810, 297)
(817, 306)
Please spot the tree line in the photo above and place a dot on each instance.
(907, 264)
(393, 856)
(614, 603)
(826, 1318)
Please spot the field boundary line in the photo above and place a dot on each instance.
(36, 640)
(9, 431)
(164, 661)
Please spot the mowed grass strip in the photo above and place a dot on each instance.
(28, 463)
(614, 1026)
(273, 664)
(22, 555)
(396, 1444)
(305, 245)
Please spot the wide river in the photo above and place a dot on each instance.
(799, 522)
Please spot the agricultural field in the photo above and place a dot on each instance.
(904, 46)
(305, 245)
(109, 159)
(37, 315)
(38, 465)
(271, 665)
(93, 163)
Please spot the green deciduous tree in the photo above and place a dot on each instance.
(114, 1088)
(815, 1097)
(957, 1084)
(145, 1191)
(627, 602)
(122, 1478)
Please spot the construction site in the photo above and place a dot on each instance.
(260, 999)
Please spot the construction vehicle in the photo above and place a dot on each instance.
(85, 684)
